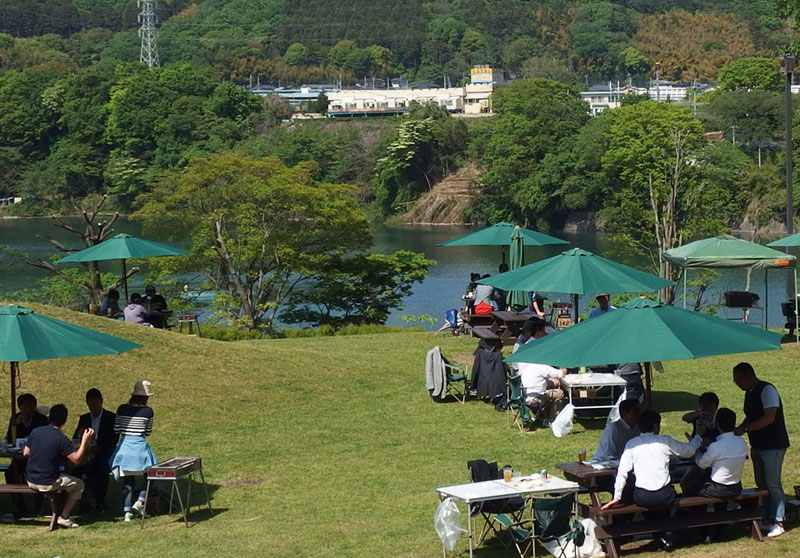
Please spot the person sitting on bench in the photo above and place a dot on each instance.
(44, 450)
(647, 457)
(618, 433)
(706, 415)
(719, 469)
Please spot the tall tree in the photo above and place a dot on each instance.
(258, 228)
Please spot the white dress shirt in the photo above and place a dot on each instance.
(534, 378)
(648, 457)
(726, 457)
(615, 436)
(96, 427)
(519, 343)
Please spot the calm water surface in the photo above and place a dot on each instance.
(441, 291)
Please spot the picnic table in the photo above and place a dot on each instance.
(503, 327)
(474, 492)
(595, 388)
(587, 473)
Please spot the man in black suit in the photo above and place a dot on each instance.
(96, 470)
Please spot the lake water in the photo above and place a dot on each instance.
(441, 290)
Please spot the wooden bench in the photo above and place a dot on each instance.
(751, 511)
(485, 333)
(25, 489)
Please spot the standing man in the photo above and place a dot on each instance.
(96, 470)
(603, 305)
(766, 428)
(46, 448)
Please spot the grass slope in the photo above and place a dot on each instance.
(327, 446)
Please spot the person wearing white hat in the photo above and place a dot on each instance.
(133, 456)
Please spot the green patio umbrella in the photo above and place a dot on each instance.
(786, 241)
(26, 336)
(644, 330)
(516, 259)
(500, 235)
(577, 272)
(123, 247)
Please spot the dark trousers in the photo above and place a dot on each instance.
(96, 472)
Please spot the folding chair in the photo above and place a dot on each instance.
(555, 524)
(521, 414)
(444, 378)
(497, 514)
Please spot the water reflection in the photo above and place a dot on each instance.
(442, 289)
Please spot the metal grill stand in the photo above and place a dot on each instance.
(171, 470)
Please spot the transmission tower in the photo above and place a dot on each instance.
(149, 22)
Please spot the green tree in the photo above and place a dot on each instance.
(258, 229)
(357, 290)
(652, 150)
(533, 117)
(751, 73)
(757, 114)
(297, 54)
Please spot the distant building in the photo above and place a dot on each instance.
(372, 97)
(604, 96)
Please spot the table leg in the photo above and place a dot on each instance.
(469, 530)
(146, 496)
(208, 500)
(171, 494)
(189, 479)
(180, 501)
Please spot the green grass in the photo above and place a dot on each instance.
(329, 446)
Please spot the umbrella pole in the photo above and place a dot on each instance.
(575, 299)
(796, 317)
(684, 287)
(13, 427)
(766, 297)
(648, 382)
(125, 280)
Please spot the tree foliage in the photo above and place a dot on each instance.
(258, 228)
(751, 73)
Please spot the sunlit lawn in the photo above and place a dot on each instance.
(329, 446)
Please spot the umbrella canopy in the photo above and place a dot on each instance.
(727, 251)
(500, 235)
(123, 247)
(644, 331)
(791, 240)
(516, 259)
(578, 272)
(26, 335)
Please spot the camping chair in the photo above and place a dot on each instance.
(497, 514)
(521, 414)
(453, 377)
(555, 524)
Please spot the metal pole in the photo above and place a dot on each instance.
(648, 383)
(125, 280)
(14, 372)
(658, 84)
(575, 300)
(787, 67)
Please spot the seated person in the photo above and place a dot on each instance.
(540, 382)
(705, 416)
(537, 303)
(97, 469)
(488, 295)
(45, 449)
(526, 334)
(647, 456)
(135, 312)
(469, 296)
(110, 305)
(24, 422)
(155, 301)
(719, 468)
(618, 433)
(602, 307)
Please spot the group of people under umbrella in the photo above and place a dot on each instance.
(646, 331)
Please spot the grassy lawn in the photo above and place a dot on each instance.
(330, 446)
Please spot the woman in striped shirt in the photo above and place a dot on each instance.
(133, 456)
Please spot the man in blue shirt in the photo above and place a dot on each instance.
(603, 305)
(46, 448)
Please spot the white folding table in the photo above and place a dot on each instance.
(474, 492)
(580, 384)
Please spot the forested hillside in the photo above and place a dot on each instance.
(305, 40)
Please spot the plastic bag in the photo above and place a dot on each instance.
(562, 425)
(613, 414)
(591, 547)
(447, 522)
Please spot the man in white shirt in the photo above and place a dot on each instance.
(723, 462)
(618, 433)
(539, 383)
(603, 305)
(647, 457)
